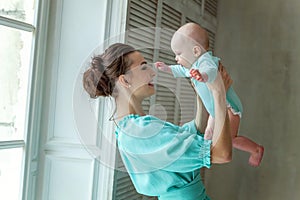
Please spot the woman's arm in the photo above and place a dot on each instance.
(201, 116)
(221, 142)
(221, 151)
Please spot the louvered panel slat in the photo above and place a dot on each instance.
(140, 42)
(128, 192)
(146, 105)
(147, 56)
(187, 92)
(188, 20)
(165, 98)
(142, 11)
(151, 3)
(168, 10)
(187, 101)
(211, 7)
(168, 100)
(165, 45)
(165, 84)
(187, 114)
(189, 107)
(166, 77)
(145, 32)
(165, 41)
(169, 23)
(122, 179)
(171, 18)
(186, 104)
(145, 5)
(199, 2)
(148, 17)
(167, 35)
(167, 115)
(140, 21)
(165, 87)
(166, 95)
(212, 37)
(167, 57)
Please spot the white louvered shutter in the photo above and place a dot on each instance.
(174, 100)
(211, 7)
(141, 14)
(166, 90)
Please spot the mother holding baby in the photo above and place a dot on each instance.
(162, 159)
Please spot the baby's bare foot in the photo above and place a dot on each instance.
(256, 157)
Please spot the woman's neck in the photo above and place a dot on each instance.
(128, 106)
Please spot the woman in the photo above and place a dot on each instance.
(162, 159)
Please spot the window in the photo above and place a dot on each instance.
(18, 44)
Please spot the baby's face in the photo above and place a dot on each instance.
(183, 49)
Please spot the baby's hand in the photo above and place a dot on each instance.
(162, 66)
(198, 76)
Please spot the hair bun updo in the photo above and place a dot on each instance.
(95, 80)
(99, 79)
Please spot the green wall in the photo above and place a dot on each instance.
(259, 43)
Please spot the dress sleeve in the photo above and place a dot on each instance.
(210, 68)
(148, 144)
(179, 71)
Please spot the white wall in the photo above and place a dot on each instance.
(259, 43)
(67, 170)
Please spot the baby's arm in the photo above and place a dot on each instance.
(163, 67)
(176, 70)
(208, 72)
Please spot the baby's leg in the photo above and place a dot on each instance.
(243, 143)
(209, 128)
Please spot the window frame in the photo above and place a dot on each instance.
(34, 105)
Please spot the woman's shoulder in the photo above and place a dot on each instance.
(150, 120)
(144, 126)
(141, 119)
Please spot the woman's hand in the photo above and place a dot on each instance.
(225, 76)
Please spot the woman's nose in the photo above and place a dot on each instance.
(152, 72)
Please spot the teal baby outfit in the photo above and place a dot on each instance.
(209, 64)
(163, 159)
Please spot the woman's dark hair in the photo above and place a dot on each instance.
(99, 79)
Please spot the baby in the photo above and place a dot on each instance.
(190, 43)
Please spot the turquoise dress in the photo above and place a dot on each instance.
(209, 64)
(163, 159)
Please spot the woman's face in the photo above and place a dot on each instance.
(140, 76)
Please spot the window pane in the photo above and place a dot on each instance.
(15, 47)
(10, 173)
(22, 10)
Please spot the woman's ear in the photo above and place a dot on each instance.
(197, 51)
(123, 81)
